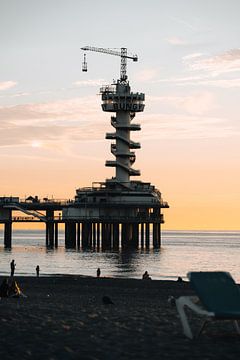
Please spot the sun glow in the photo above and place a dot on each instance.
(36, 144)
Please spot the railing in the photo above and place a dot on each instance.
(103, 218)
(107, 89)
(46, 201)
(24, 218)
(9, 201)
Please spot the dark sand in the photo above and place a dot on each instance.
(64, 318)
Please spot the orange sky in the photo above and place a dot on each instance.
(52, 127)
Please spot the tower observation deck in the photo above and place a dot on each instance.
(118, 211)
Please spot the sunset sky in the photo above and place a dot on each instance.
(52, 126)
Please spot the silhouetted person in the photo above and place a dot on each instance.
(14, 290)
(12, 266)
(107, 301)
(4, 288)
(98, 272)
(146, 276)
(37, 270)
(179, 279)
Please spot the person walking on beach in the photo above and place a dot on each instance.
(37, 270)
(98, 272)
(12, 266)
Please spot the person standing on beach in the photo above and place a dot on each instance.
(12, 266)
(98, 272)
(37, 270)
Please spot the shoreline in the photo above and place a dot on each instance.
(64, 317)
(81, 276)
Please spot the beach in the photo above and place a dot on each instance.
(64, 317)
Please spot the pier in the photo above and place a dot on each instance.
(84, 232)
(117, 212)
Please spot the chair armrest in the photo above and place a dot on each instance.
(191, 301)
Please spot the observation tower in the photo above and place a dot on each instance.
(118, 211)
(125, 104)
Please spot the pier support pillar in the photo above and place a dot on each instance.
(98, 235)
(127, 235)
(94, 235)
(86, 235)
(78, 235)
(70, 235)
(103, 235)
(90, 238)
(147, 235)
(108, 234)
(116, 236)
(6, 216)
(142, 235)
(155, 236)
(49, 234)
(56, 234)
(123, 235)
(50, 228)
(159, 235)
(8, 234)
(135, 239)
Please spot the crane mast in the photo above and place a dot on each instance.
(123, 54)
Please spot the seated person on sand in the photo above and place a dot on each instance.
(14, 290)
(146, 276)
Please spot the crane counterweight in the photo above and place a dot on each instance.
(84, 64)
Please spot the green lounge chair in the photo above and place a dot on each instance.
(219, 297)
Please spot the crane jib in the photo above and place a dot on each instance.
(122, 53)
(110, 52)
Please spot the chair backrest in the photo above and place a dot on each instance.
(217, 291)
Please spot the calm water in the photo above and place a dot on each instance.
(181, 251)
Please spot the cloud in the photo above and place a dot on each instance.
(219, 71)
(222, 83)
(183, 22)
(226, 62)
(20, 94)
(181, 80)
(94, 82)
(146, 75)
(199, 103)
(59, 125)
(68, 109)
(5, 85)
(175, 126)
(202, 80)
(192, 56)
(59, 122)
(174, 40)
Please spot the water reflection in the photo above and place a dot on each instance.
(181, 252)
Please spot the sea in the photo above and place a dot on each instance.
(180, 253)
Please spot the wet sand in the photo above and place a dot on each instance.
(65, 318)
